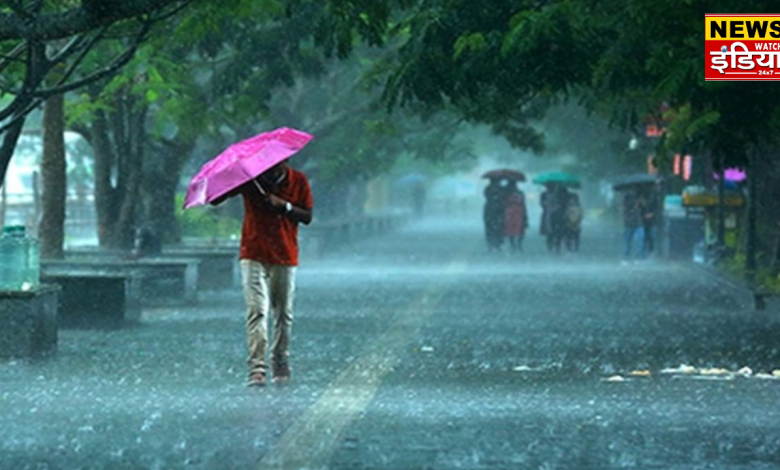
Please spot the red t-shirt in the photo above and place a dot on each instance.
(267, 236)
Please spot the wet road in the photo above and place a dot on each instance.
(421, 351)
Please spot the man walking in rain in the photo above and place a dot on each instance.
(275, 203)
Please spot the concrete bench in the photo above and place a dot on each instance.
(28, 322)
(162, 281)
(94, 299)
(218, 268)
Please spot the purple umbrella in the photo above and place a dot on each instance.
(242, 162)
(734, 174)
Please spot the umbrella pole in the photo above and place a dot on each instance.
(259, 188)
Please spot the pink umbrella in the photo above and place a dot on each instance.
(733, 174)
(241, 162)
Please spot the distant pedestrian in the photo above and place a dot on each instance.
(554, 201)
(545, 200)
(515, 216)
(493, 214)
(634, 207)
(574, 216)
(274, 204)
(650, 219)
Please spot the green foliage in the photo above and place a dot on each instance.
(684, 128)
(622, 58)
(469, 43)
(768, 280)
(205, 223)
(500, 65)
(355, 137)
(734, 268)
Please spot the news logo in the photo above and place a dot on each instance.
(742, 47)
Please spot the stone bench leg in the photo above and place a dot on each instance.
(28, 322)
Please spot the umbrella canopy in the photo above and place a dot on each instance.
(243, 161)
(558, 177)
(733, 174)
(505, 173)
(632, 181)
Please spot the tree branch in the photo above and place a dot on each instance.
(18, 9)
(119, 62)
(72, 46)
(21, 115)
(84, 50)
(90, 15)
(13, 56)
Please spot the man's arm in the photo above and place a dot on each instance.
(226, 196)
(295, 213)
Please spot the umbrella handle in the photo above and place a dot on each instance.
(257, 185)
(259, 188)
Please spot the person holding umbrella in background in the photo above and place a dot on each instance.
(276, 200)
(554, 201)
(545, 201)
(640, 211)
(499, 223)
(515, 216)
(493, 214)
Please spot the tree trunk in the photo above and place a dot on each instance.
(721, 203)
(105, 194)
(752, 239)
(131, 165)
(161, 180)
(10, 138)
(118, 140)
(51, 231)
(3, 203)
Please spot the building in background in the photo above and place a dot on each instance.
(20, 197)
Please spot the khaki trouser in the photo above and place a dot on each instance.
(267, 288)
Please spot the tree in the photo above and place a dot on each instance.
(39, 37)
(501, 65)
(117, 134)
(235, 58)
(53, 173)
(356, 138)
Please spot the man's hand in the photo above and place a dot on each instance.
(276, 202)
(296, 214)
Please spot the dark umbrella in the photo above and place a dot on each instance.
(505, 173)
(632, 181)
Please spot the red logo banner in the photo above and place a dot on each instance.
(742, 47)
